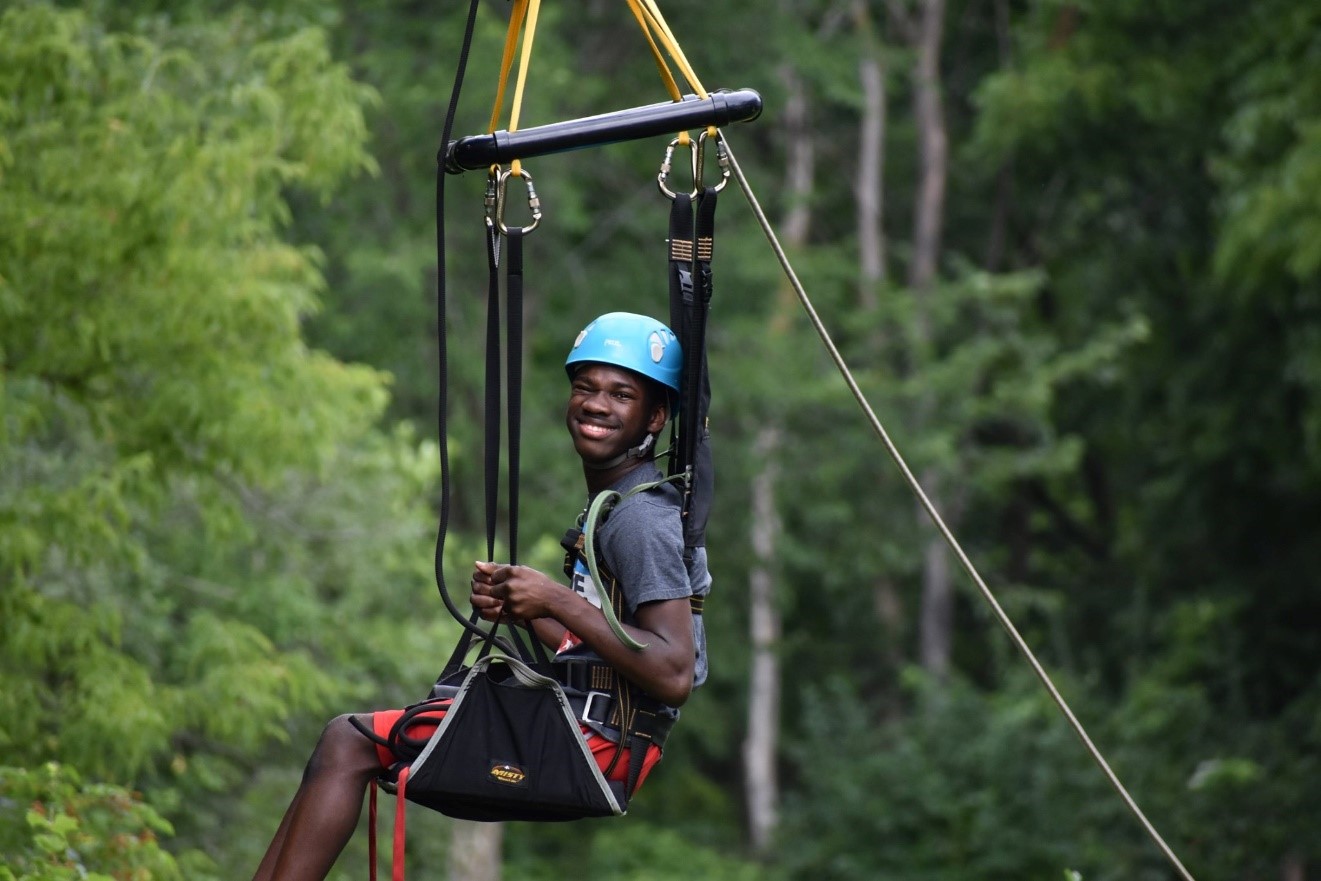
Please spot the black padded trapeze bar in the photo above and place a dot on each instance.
(721, 108)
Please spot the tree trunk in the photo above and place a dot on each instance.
(474, 853)
(997, 240)
(799, 162)
(936, 627)
(761, 744)
(937, 621)
(869, 187)
(933, 144)
(869, 199)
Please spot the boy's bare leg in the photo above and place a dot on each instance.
(324, 812)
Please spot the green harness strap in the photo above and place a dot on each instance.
(599, 508)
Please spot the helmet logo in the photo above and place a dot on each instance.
(582, 335)
(657, 346)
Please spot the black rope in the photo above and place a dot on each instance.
(442, 348)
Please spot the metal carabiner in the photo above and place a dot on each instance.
(699, 161)
(533, 203)
(667, 163)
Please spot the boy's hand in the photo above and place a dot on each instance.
(499, 589)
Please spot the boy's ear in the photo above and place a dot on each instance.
(660, 414)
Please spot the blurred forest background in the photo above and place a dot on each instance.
(1072, 249)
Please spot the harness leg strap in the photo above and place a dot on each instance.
(638, 747)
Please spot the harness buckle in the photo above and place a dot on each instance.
(587, 707)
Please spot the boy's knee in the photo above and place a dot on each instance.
(342, 748)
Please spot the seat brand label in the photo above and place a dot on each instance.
(509, 775)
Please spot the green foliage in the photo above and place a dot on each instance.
(57, 827)
(642, 853)
(970, 786)
(629, 850)
(176, 226)
(191, 498)
(1176, 203)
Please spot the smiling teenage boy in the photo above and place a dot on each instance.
(624, 372)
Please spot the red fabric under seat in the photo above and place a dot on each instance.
(424, 725)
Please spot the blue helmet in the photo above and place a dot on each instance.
(634, 342)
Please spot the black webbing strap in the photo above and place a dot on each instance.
(681, 297)
(514, 342)
(491, 434)
(442, 325)
(513, 335)
(697, 506)
(638, 747)
(691, 245)
(534, 654)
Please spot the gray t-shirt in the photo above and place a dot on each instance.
(641, 542)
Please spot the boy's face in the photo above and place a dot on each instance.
(610, 409)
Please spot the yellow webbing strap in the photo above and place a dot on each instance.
(656, 22)
(529, 36)
(655, 27)
(516, 18)
(670, 85)
(522, 21)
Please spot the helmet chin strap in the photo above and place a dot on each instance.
(637, 452)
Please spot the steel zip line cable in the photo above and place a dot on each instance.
(945, 532)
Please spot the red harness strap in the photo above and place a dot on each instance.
(397, 860)
(371, 831)
(400, 819)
